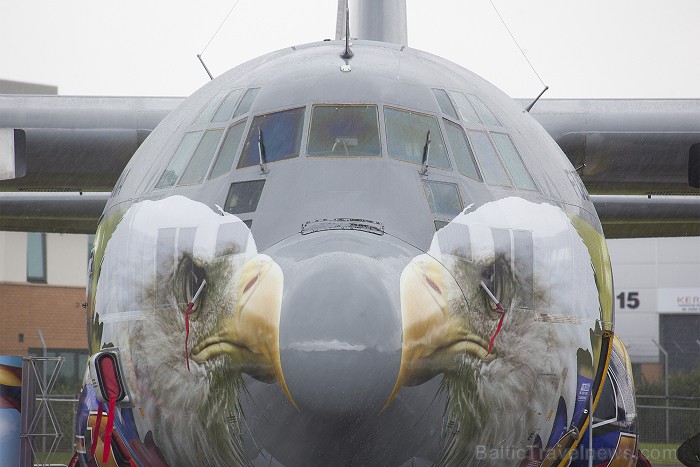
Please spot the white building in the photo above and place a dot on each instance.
(657, 298)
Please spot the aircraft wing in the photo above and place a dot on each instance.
(60, 156)
(639, 160)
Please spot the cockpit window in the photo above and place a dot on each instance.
(246, 102)
(276, 136)
(513, 161)
(490, 164)
(201, 159)
(225, 110)
(407, 136)
(440, 224)
(484, 112)
(208, 111)
(344, 130)
(461, 151)
(443, 198)
(244, 196)
(179, 160)
(228, 151)
(466, 110)
(445, 104)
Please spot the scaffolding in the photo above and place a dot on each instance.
(39, 375)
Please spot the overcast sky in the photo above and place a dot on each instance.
(592, 48)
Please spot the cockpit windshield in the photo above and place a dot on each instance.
(344, 130)
(410, 134)
(273, 137)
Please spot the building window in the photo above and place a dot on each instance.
(679, 335)
(36, 257)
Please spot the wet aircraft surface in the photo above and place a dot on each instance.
(375, 260)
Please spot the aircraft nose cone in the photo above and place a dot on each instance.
(341, 337)
(340, 328)
(340, 351)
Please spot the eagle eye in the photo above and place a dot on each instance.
(488, 277)
(191, 277)
(496, 276)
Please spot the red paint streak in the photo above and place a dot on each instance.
(499, 309)
(433, 285)
(190, 306)
(251, 283)
(110, 427)
(96, 431)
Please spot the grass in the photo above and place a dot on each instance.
(660, 453)
(56, 458)
(657, 453)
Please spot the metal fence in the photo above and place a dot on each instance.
(682, 414)
(667, 419)
(65, 407)
(44, 415)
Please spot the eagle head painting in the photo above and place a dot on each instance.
(524, 392)
(168, 262)
(504, 310)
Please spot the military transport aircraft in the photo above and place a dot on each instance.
(352, 252)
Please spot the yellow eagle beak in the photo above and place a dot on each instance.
(250, 335)
(432, 333)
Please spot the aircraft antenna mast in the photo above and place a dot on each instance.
(347, 54)
(529, 107)
(199, 56)
(375, 20)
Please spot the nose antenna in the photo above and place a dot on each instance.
(199, 55)
(529, 107)
(347, 54)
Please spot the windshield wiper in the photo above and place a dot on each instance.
(426, 153)
(261, 152)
